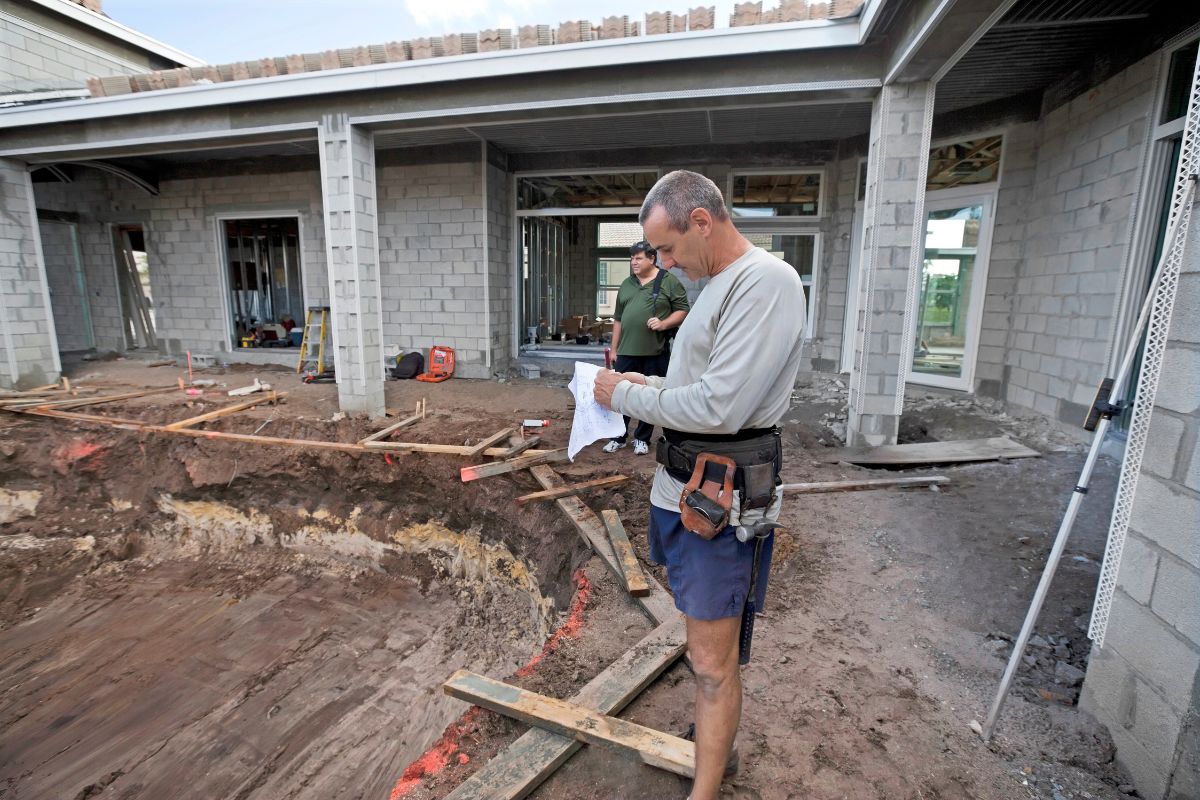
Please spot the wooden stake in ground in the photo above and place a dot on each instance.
(653, 747)
(572, 489)
(631, 570)
(860, 486)
(488, 442)
(501, 467)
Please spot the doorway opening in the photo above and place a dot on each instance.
(134, 287)
(265, 280)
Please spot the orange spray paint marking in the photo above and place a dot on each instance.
(437, 758)
(569, 629)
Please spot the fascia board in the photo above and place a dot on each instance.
(641, 52)
(115, 29)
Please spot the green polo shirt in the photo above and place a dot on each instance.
(634, 308)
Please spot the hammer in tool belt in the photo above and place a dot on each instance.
(758, 531)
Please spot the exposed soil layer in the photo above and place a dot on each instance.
(293, 647)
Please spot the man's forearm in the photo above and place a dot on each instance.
(616, 336)
(673, 320)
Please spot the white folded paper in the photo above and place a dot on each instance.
(592, 421)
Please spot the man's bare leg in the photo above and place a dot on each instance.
(713, 650)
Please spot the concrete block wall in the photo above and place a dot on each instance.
(1076, 228)
(68, 292)
(1144, 683)
(500, 268)
(581, 285)
(182, 243)
(431, 261)
(28, 352)
(1017, 190)
(44, 51)
(899, 155)
(842, 186)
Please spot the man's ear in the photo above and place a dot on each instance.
(700, 218)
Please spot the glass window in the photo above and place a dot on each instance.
(610, 274)
(600, 190)
(779, 195)
(1179, 82)
(799, 250)
(951, 246)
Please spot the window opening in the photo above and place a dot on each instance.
(951, 248)
(799, 250)
(599, 190)
(965, 163)
(795, 194)
(266, 294)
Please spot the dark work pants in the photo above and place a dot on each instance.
(647, 365)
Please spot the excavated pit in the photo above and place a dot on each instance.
(250, 622)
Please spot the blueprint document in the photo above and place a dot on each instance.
(592, 420)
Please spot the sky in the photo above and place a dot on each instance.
(221, 31)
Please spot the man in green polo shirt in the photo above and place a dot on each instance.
(650, 302)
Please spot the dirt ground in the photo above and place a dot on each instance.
(256, 622)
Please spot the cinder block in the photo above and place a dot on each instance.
(1180, 377)
(1152, 649)
(1163, 442)
(1139, 566)
(1177, 596)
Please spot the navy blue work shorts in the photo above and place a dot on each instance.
(709, 578)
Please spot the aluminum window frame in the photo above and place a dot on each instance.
(822, 194)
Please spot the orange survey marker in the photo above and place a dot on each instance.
(441, 365)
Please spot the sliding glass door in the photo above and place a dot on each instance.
(950, 299)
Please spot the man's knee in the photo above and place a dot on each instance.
(713, 654)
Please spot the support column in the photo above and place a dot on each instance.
(893, 252)
(352, 251)
(28, 344)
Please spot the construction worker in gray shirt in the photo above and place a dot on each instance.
(714, 500)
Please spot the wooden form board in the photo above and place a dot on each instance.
(862, 486)
(474, 473)
(630, 570)
(653, 747)
(572, 489)
(933, 452)
(439, 449)
(658, 604)
(64, 405)
(523, 765)
(390, 429)
(496, 437)
(517, 449)
(270, 397)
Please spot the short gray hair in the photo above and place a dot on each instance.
(681, 192)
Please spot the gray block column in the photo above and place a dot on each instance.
(352, 247)
(893, 251)
(28, 344)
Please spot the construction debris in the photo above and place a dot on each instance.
(257, 386)
(573, 489)
(630, 570)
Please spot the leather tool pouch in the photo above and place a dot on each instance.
(759, 460)
(707, 499)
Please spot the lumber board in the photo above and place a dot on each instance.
(933, 452)
(653, 747)
(517, 449)
(66, 405)
(573, 489)
(270, 397)
(390, 429)
(631, 571)
(437, 449)
(477, 471)
(490, 441)
(76, 416)
(518, 769)
(862, 486)
(658, 604)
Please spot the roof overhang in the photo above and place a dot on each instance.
(110, 27)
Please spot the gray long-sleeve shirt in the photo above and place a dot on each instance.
(734, 361)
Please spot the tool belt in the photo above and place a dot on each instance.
(713, 466)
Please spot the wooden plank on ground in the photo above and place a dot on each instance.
(517, 449)
(658, 604)
(479, 447)
(270, 397)
(518, 769)
(653, 747)
(390, 429)
(477, 471)
(65, 405)
(933, 452)
(573, 489)
(862, 486)
(631, 571)
(436, 449)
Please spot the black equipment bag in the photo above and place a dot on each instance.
(654, 292)
(408, 365)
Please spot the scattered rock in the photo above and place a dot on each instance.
(338, 417)
(1126, 788)
(1067, 674)
(1038, 641)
